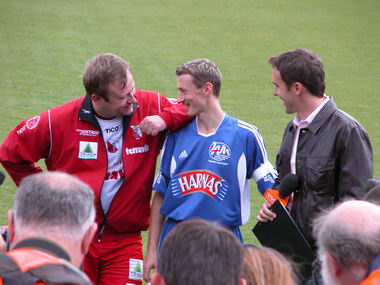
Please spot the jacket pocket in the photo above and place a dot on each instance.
(320, 172)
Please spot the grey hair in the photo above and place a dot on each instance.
(350, 233)
(54, 201)
(202, 71)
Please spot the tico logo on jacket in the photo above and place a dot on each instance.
(201, 181)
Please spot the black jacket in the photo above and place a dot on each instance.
(333, 161)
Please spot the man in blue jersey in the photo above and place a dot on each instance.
(206, 166)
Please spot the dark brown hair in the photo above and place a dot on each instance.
(301, 65)
(200, 252)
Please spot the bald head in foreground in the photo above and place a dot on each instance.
(348, 238)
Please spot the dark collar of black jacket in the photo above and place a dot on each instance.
(44, 245)
(321, 117)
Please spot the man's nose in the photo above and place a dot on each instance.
(132, 99)
(180, 98)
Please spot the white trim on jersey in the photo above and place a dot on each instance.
(173, 166)
(258, 136)
(161, 154)
(210, 134)
(51, 136)
(245, 191)
(159, 105)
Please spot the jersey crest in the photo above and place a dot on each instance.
(219, 151)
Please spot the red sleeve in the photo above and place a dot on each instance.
(173, 114)
(27, 143)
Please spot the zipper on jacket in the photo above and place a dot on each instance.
(125, 129)
(123, 139)
(101, 230)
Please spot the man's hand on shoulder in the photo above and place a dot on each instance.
(152, 125)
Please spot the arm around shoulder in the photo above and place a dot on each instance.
(173, 114)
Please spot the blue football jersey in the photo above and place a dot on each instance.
(208, 176)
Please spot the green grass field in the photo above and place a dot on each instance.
(45, 44)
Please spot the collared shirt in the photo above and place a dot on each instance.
(299, 124)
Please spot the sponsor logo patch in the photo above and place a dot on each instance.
(30, 124)
(88, 133)
(183, 154)
(136, 150)
(113, 129)
(202, 181)
(88, 150)
(135, 269)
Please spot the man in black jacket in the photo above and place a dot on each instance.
(328, 149)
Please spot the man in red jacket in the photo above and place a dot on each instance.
(110, 139)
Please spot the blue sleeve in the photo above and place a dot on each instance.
(163, 177)
(259, 167)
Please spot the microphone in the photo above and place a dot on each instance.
(2, 177)
(288, 185)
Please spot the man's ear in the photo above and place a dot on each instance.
(88, 237)
(158, 279)
(298, 88)
(331, 263)
(96, 98)
(11, 226)
(242, 281)
(208, 88)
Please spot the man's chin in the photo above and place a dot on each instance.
(188, 112)
(128, 112)
(288, 111)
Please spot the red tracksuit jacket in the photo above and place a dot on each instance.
(59, 134)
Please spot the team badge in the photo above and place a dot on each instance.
(137, 131)
(113, 145)
(30, 124)
(88, 150)
(219, 151)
